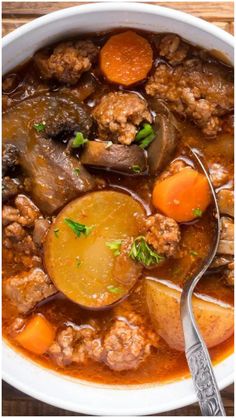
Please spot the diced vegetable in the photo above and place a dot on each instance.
(78, 140)
(163, 303)
(183, 196)
(113, 215)
(145, 136)
(37, 336)
(126, 58)
(39, 127)
(142, 252)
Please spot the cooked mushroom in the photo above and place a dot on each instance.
(161, 150)
(115, 157)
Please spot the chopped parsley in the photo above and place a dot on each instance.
(114, 246)
(56, 232)
(78, 140)
(197, 212)
(114, 289)
(78, 228)
(145, 136)
(136, 169)
(194, 253)
(140, 251)
(39, 127)
(108, 144)
(77, 170)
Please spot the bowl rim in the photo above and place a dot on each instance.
(91, 408)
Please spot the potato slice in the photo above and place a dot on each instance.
(82, 267)
(215, 319)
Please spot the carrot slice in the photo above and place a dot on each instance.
(37, 336)
(126, 58)
(183, 196)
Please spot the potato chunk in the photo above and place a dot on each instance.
(82, 266)
(215, 319)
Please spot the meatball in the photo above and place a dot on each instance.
(70, 346)
(219, 175)
(25, 290)
(173, 49)
(163, 234)
(197, 90)
(118, 116)
(125, 346)
(10, 188)
(67, 62)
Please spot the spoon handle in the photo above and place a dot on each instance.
(200, 366)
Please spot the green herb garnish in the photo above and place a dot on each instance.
(39, 127)
(77, 170)
(197, 212)
(140, 251)
(56, 232)
(108, 144)
(78, 140)
(115, 246)
(193, 253)
(145, 136)
(136, 169)
(78, 228)
(114, 289)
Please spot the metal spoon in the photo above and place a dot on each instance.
(197, 355)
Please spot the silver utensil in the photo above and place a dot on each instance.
(197, 355)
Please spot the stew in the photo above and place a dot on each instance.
(106, 212)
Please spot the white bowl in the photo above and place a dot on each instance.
(22, 373)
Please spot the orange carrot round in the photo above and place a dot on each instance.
(183, 196)
(37, 336)
(126, 58)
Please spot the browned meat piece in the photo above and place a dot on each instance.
(70, 345)
(174, 168)
(118, 116)
(225, 199)
(27, 209)
(114, 157)
(16, 326)
(67, 61)
(200, 91)
(126, 271)
(219, 174)
(25, 212)
(125, 346)
(9, 157)
(226, 245)
(173, 49)
(14, 231)
(228, 275)
(163, 234)
(25, 290)
(10, 188)
(41, 227)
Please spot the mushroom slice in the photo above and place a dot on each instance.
(115, 157)
(162, 148)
